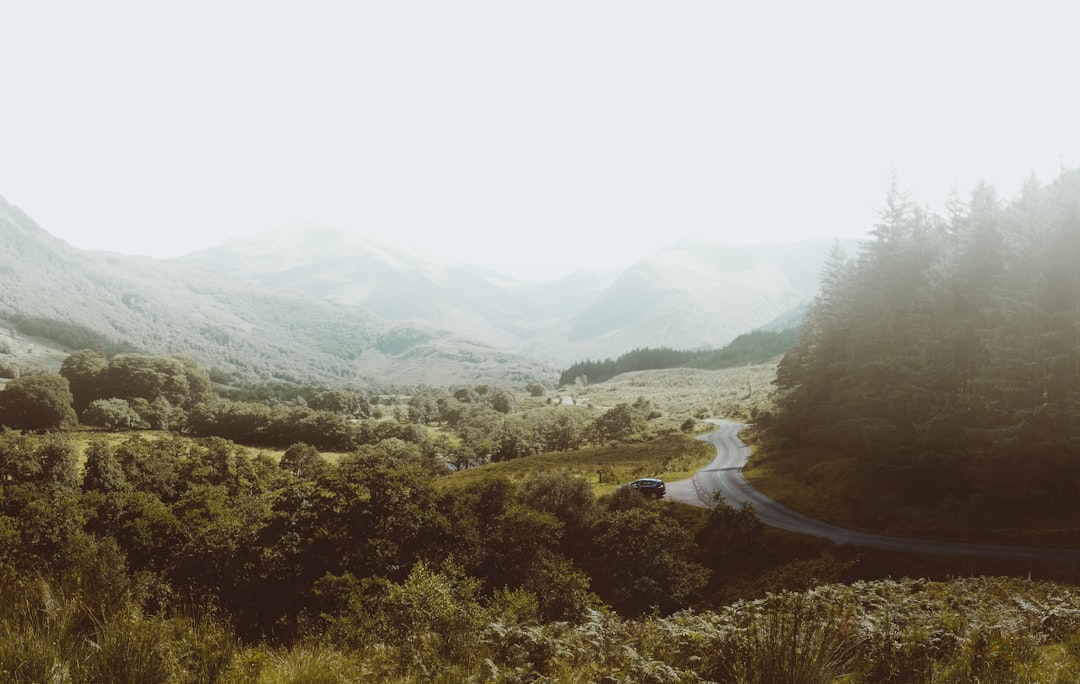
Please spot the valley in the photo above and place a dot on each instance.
(326, 516)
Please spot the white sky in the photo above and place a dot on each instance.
(530, 137)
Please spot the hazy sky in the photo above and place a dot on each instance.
(531, 137)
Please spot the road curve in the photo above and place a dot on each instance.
(724, 477)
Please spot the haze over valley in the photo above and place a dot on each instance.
(320, 305)
(558, 342)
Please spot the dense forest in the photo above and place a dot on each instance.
(944, 360)
(758, 346)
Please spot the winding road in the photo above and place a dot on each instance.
(724, 477)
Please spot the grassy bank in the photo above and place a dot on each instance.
(669, 457)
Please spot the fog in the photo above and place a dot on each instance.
(526, 138)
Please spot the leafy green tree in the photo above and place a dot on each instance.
(345, 402)
(153, 465)
(642, 559)
(84, 370)
(37, 402)
(19, 458)
(729, 538)
(381, 512)
(59, 458)
(567, 497)
(112, 414)
(480, 431)
(102, 471)
(147, 531)
(515, 439)
(563, 591)
(219, 553)
(561, 430)
(518, 544)
(424, 407)
(49, 524)
(178, 379)
(159, 414)
(303, 461)
(617, 424)
(503, 401)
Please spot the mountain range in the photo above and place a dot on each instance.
(318, 306)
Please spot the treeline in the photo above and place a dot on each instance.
(945, 357)
(750, 348)
(753, 347)
(477, 424)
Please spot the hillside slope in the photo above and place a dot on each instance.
(686, 296)
(54, 299)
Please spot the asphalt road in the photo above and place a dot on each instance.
(724, 477)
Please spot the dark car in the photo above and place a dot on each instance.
(649, 486)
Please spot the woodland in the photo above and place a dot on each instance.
(153, 530)
(939, 368)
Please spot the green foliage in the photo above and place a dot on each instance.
(37, 402)
(102, 471)
(68, 334)
(758, 346)
(112, 414)
(84, 371)
(279, 426)
(158, 389)
(611, 464)
(950, 345)
(49, 635)
(642, 559)
(617, 424)
(303, 461)
(345, 402)
(730, 538)
(638, 359)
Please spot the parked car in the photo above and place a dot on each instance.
(649, 486)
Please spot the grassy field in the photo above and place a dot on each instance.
(682, 393)
(669, 457)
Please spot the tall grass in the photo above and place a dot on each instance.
(796, 641)
(910, 631)
(47, 635)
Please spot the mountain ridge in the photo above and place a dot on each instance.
(687, 295)
(317, 305)
(240, 332)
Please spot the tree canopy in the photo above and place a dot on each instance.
(37, 402)
(951, 343)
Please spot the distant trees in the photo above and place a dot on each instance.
(345, 402)
(279, 426)
(757, 346)
(112, 414)
(638, 359)
(160, 389)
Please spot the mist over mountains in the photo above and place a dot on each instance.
(687, 296)
(320, 306)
